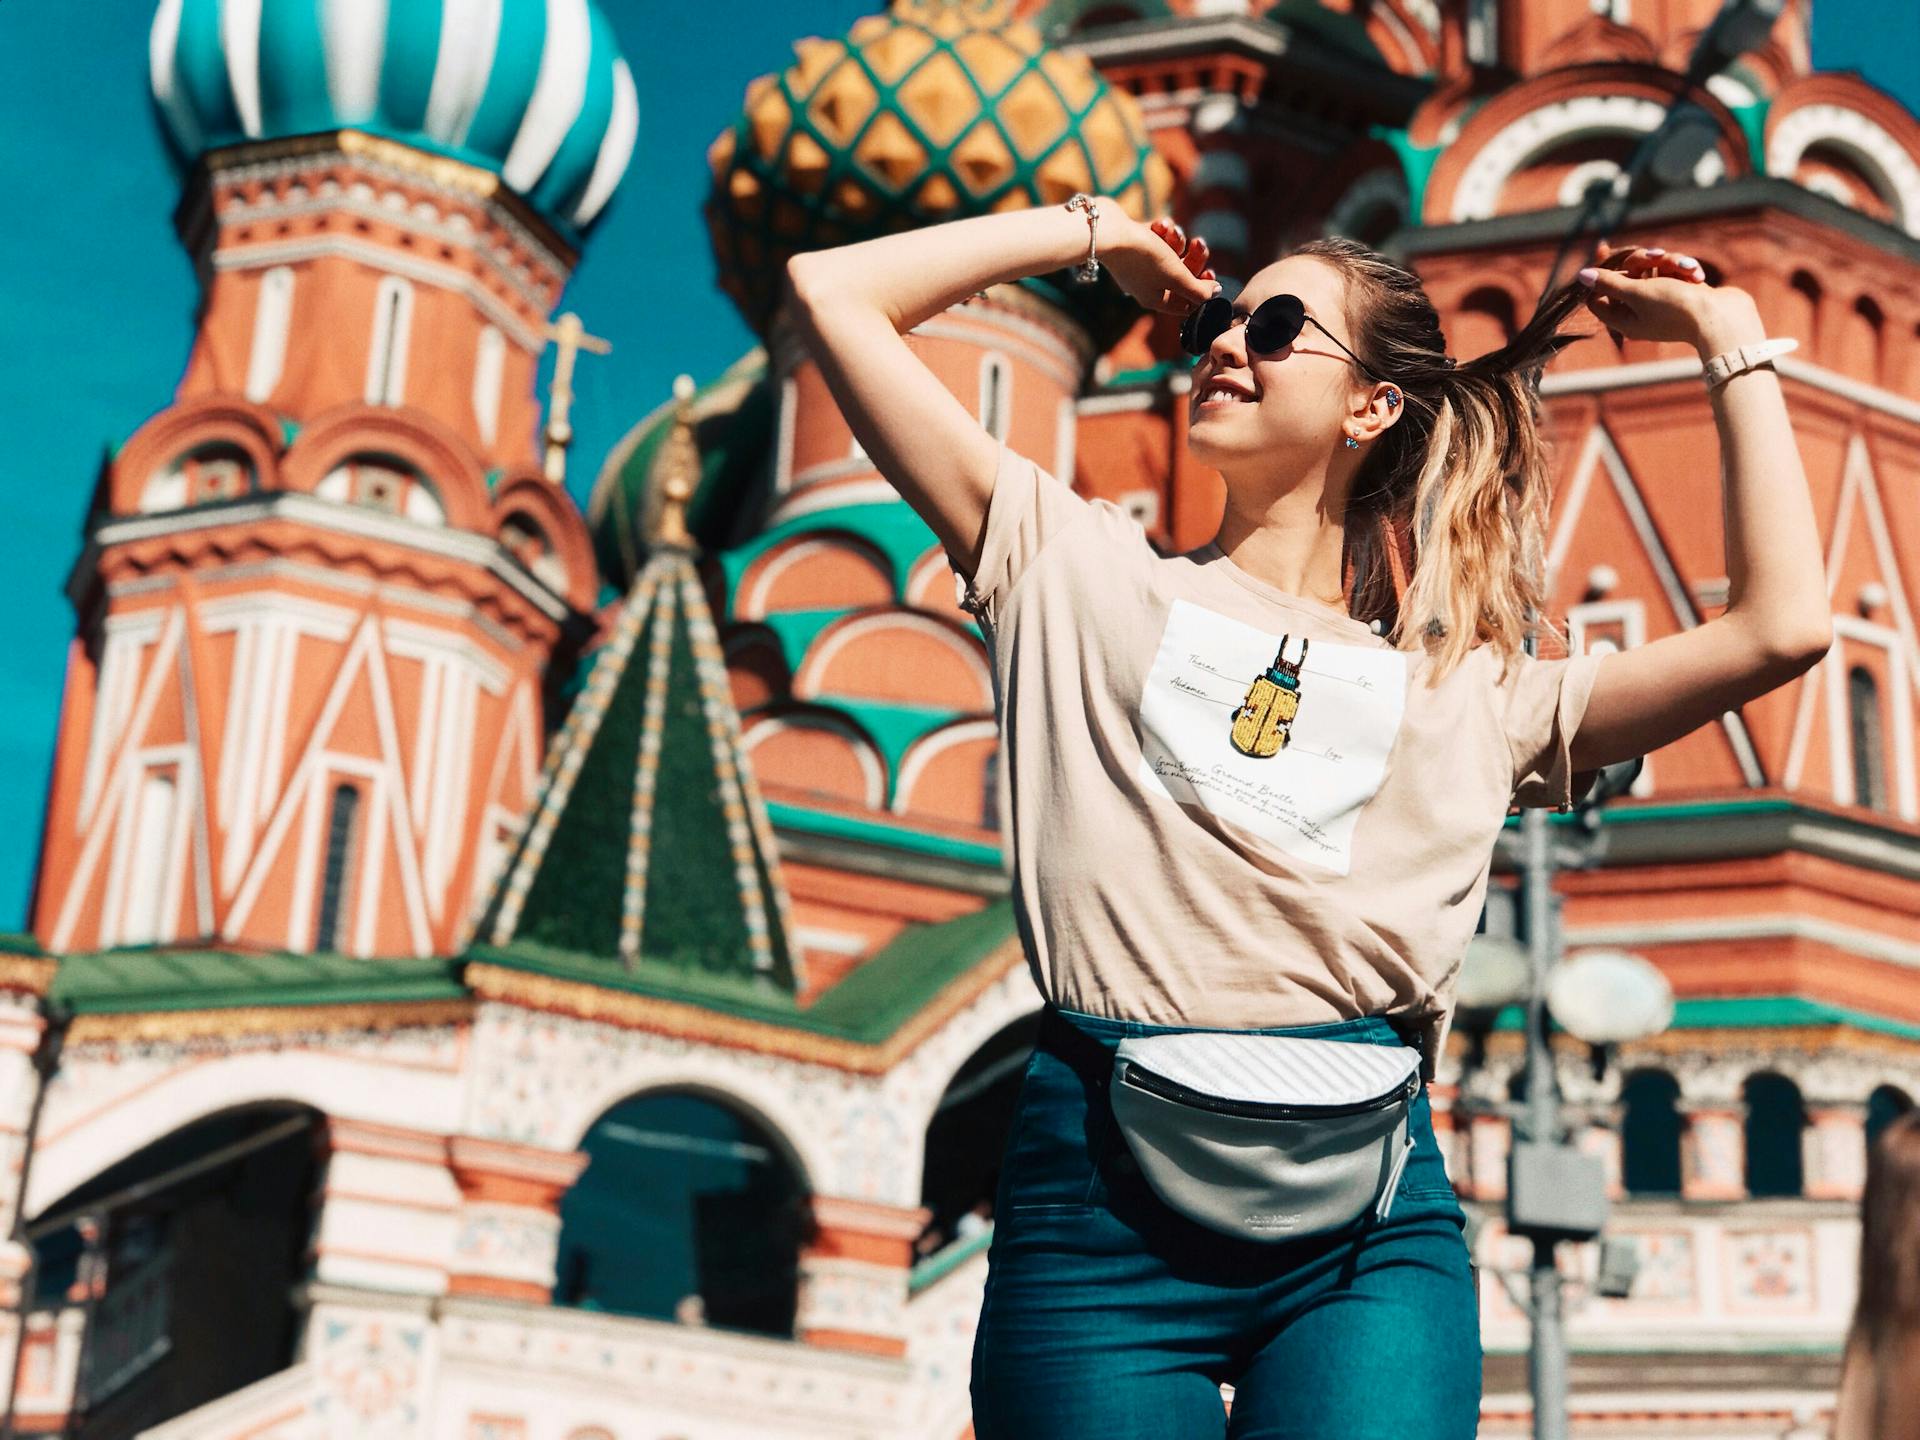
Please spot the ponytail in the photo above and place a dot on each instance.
(1447, 522)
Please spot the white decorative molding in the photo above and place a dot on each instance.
(111, 1099)
(272, 319)
(1851, 939)
(1601, 453)
(1883, 159)
(1385, 187)
(1526, 139)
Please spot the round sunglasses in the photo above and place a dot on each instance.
(1275, 324)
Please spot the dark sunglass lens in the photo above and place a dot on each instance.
(1276, 324)
(1204, 325)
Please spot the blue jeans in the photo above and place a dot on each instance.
(1108, 1314)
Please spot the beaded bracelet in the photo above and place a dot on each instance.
(1088, 270)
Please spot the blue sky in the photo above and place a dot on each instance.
(96, 308)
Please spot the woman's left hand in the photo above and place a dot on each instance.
(1647, 294)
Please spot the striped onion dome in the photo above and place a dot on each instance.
(534, 90)
(935, 110)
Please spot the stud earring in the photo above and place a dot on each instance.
(1393, 399)
(1352, 444)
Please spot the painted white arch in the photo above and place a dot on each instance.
(1883, 159)
(873, 772)
(1385, 188)
(76, 1147)
(929, 1073)
(1540, 131)
(821, 656)
(708, 1073)
(928, 748)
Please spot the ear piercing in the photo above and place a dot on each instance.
(1393, 398)
(1352, 444)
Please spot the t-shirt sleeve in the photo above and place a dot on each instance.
(1542, 703)
(1027, 509)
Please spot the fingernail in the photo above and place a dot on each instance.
(1587, 276)
(1655, 254)
(1686, 260)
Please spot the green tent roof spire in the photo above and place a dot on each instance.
(686, 872)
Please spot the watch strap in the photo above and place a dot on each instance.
(1724, 366)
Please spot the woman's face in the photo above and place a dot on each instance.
(1298, 398)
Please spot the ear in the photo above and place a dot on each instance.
(1378, 411)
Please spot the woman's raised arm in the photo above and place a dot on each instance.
(1777, 622)
(855, 303)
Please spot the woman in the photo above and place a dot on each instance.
(1880, 1378)
(1178, 866)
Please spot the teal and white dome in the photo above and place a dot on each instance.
(534, 90)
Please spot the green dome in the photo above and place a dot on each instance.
(733, 429)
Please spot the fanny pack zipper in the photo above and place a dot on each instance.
(1147, 1080)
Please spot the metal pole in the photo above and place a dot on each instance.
(1547, 1357)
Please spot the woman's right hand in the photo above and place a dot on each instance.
(1157, 264)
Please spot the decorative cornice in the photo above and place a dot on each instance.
(271, 159)
(1666, 372)
(1749, 193)
(171, 1026)
(679, 1018)
(1739, 828)
(483, 551)
(30, 973)
(266, 254)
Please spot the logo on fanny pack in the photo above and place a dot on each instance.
(1264, 722)
(1275, 1221)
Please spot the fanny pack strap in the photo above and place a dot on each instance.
(1060, 1036)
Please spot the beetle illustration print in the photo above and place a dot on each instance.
(1264, 722)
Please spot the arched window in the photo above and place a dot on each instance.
(528, 543)
(336, 879)
(182, 1217)
(1884, 1106)
(1866, 334)
(1802, 317)
(217, 470)
(489, 365)
(687, 1211)
(272, 317)
(1775, 1120)
(1484, 322)
(996, 394)
(967, 1134)
(148, 895)
(1650, 1133)
(1863, 729)
(387, 356)
(383, 482)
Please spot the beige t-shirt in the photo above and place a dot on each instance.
(1230, 806)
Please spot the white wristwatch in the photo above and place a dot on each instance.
(1723, 367)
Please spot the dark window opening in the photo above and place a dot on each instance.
(1775, 1119)
(335, 891)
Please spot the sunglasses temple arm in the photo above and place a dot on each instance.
(1355, 358)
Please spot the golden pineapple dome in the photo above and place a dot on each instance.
(936, 109)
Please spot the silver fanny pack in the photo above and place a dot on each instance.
(1267, 1137)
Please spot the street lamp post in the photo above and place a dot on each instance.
(1555, 1192)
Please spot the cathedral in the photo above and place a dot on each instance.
(503, 973)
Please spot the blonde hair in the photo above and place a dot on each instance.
(1446, 525)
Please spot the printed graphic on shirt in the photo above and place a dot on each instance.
(1295, 755)
(1264, 722)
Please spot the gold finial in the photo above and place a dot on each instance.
(569, 337)
(680, 471)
